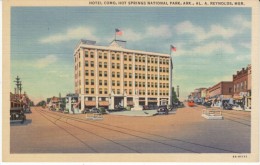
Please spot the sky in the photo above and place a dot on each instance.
(212, 43)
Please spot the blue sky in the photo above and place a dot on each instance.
(212, 43)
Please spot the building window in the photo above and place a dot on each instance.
(125, 66)
(140, 84)
(148, 76)
(152, 84)
(152, 60)
(91, 54)
(125, 83)
(92, 73)
(105, 64)
(143, 84)
(155, 69)
(100, 64)
(140, 67)
(148, 68)
(118, 57)
(118, 83)
(140, 59)
(130, 75)
(100, 90)
(113, 74)
(92, 91)
(100, 82)
(105, 56)
(92, 63)
(130, 67)
(136, 58)
(143, 76)
(125, 75)
(148, 84)
(113, 83)
(92, 82)
(86, 63)
(86, 82)
(105, 73)
(160, 61)
(140, 76)
(113, 65)
(136, 75)
(143, 68)
(118, 74)
(86, 72)
(105, 82)
(130, 83)
(100, 73)
(143, 59)
(125, 57)
(148, 60)
(100, 55)
(113, 56)
(148, 92)
(136, 67)
(105, 91)
(130, 91)
(129, 58)
(118, 91)
(136, 84)
(118, 66)
(86, 53)
(86, 90)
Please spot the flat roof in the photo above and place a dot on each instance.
(112, 48)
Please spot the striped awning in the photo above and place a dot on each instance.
(90, 103)
(103, 103)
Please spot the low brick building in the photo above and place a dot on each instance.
(223, 89)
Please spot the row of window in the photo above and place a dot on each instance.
(129, 75)
(127, 83)
(240, 86)
(126, 57)
(129, 92)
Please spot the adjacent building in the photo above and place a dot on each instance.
(223, 89)
(109, 76)
(242, 86)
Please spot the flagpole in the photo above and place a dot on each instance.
(115, 34)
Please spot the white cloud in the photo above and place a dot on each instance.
(246, 45)
(162, 31)
(241, 22)
(45, 61)
(201, 34)
(205, 49)
(243, 57)
(71, 34)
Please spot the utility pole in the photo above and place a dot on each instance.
(18, 85)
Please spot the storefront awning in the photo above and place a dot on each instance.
(90, 103)
(103, 103)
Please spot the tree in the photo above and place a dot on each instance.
(41, 103)
(174, 96)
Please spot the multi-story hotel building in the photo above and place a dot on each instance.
(106, 76)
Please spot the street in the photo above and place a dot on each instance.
(185, 131)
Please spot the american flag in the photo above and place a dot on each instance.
(119, 32)
(173, 48)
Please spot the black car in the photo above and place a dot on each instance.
(162, 109)
(94, 110)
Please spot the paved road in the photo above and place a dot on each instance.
(184, 132)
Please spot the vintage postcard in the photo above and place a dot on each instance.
(130, 81)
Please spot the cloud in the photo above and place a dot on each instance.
(45, 61)
(246, 45)
(162, 31)
(241, 22)
(243, 57)
(215, 30)
(206, 49)
(70, 34)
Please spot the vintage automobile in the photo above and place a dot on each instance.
(162, 109)
(17, 112)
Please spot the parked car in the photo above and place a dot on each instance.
(162, 109)
(94, 110)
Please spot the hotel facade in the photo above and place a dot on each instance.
(108, 76)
